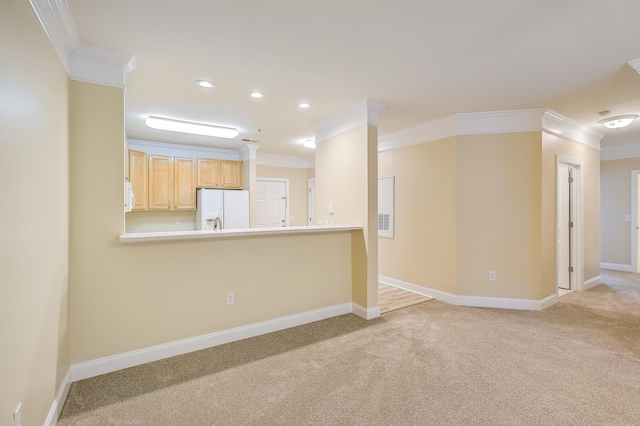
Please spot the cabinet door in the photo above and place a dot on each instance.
(138, 177)
(160, 182)
(230, 174)
(209, 172)
(184, 171)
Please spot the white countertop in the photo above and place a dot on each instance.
(145, 237)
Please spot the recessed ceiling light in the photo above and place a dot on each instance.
(206, 84)
(310, 143)
(255, 94)
(161, 123)
(303, 105)
(618, 122)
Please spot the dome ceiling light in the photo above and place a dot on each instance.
(618, 122)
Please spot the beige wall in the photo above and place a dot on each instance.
(128, 297)
(423, 251)
(498, 215)
(34, 245)
(616, 204)
(346, 174)
(470, 204)
(298, 190)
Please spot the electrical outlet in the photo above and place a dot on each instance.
(177, 221)
(17, 415)
(230, 299)
(492, 275)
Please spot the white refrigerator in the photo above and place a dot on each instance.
(231, 207)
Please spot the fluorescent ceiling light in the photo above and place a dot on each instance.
(203, 129)
(619, 121)
(303, 105)
(255, 94)
(310, 143)
(205, 83)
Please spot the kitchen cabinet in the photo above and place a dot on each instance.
(138, 175)
(208, 172)
(160, 182)
(171, 183)
(230, 174)
(213, 173)
(184, 172)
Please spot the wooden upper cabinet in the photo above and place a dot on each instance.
(160, 182)
(230, 174)
(184, 173)
(138, 174)
(208, 172)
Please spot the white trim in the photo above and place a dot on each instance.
(286, 193)
(58, 402)
(592, 282)
(96, 65)
(366, 313)
(616, 267)
(635, 175)
(248, 152)
(57, 22)
(493, 122)
(566, 128)
(113, 363)
(474, 301)
(82, 62)
(635, 64)
(311, 202)
(362, 114)
(177, 150)
(618, 152)
(289, 161)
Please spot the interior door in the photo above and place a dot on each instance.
(271, 203)
(312, 202)
(565, 228)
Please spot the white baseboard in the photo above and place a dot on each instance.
(592, 282)
(616, 267)
(475, 301)
(113, 363)
(366, 313)
(58, 402)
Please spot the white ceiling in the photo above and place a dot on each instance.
(423, 59)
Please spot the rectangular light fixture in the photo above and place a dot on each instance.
(161, 123)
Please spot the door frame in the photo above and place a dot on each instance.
(286, 193)
(577, 243)
(635, 235)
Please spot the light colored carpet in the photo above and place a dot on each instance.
(576, 363)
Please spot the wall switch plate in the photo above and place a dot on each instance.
(178, 221)
(627, 218)
(330, 207)
(231, 299)
(17, 415)
(492, 275)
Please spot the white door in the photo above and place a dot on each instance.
(565, 228)
(271, 203)
(312, 202)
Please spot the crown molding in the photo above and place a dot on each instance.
(566, 128)
(362, 114)
(248, 152)
(288, 161)
(494, 122)
(85, 63)
(619, 152)
(635, 64)
(177, 150)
